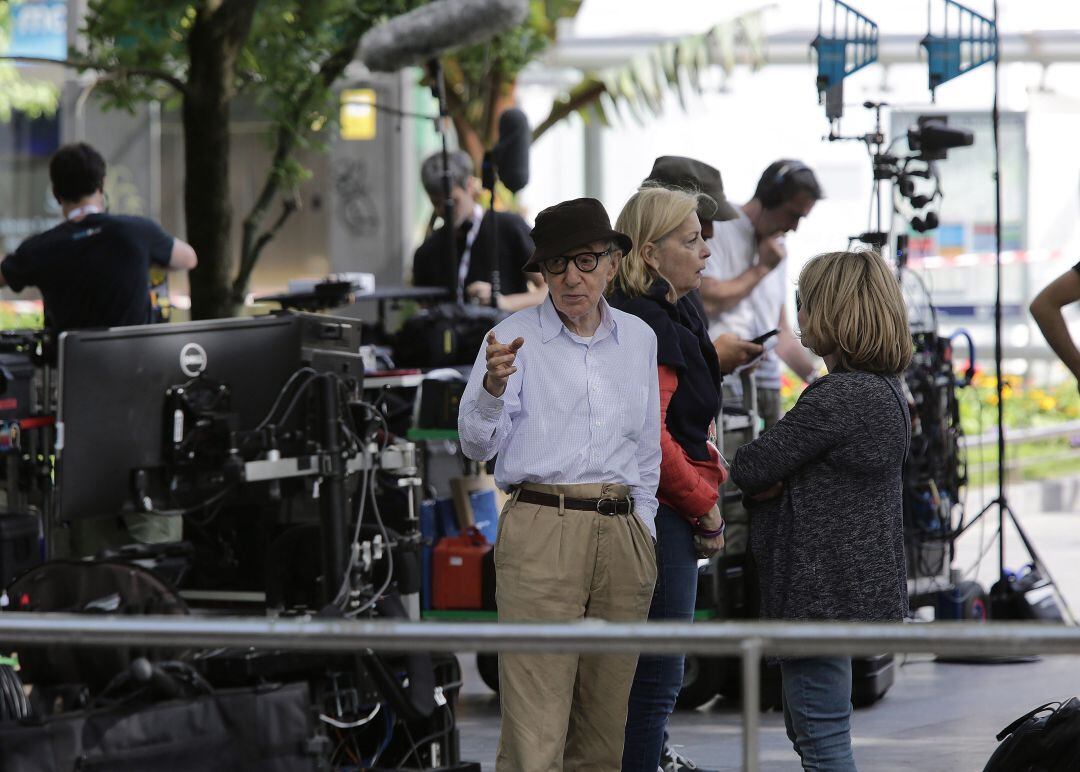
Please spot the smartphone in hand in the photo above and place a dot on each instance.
(760, 339)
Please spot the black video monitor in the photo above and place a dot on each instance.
(112, 396)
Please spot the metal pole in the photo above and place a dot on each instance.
(1002, 502)
(333, 509)
(806, 639)
(751, 702)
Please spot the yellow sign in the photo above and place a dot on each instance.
(358, 113)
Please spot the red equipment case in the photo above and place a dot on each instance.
(457, 568)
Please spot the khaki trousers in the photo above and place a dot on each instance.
(568, 711)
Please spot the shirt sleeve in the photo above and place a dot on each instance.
(159, 244)
(514, 253)
(691, 494)
(485, 422)
(819, 421)
(149, 236)
(17, 270)
(420, 266)
(648, 451)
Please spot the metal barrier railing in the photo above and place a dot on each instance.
(1014, 436)
(748, 640)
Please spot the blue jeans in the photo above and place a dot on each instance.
(817, 711)
(658, 679)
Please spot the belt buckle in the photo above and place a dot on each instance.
(614, 506)
(618, 506)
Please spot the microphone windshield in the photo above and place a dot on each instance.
(434, 29)
(512, 150)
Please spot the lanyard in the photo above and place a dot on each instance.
(466, 255)
(82, 211)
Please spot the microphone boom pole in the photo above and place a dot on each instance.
(438, 88)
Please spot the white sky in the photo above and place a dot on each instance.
(627, 17)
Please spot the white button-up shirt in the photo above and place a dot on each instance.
(576, 410)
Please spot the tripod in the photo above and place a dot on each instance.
(1001, 501)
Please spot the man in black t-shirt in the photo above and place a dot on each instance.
(93, 268)
(468, 272)
(1047, 310)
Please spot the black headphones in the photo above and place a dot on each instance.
(773, 195)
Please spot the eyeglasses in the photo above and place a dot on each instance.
(586, 262)
(798, 301)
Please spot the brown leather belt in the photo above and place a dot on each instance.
(608, 505)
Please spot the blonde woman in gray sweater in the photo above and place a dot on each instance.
(825, 489)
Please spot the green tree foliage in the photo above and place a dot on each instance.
(201, 55)
(480, 79)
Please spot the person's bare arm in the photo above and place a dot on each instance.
(719, 295)
(534, 296)
(183, 257)
(480, 291)
(791, 350)
(1047, 307)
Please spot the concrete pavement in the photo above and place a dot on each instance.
(936, 718)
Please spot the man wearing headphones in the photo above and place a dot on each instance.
(744, 285)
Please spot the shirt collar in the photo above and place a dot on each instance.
(551, 325)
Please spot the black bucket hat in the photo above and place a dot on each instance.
(676, 171)
(571, 224)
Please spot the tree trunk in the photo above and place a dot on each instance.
(216, 38)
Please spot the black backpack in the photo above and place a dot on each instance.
(1046, 739)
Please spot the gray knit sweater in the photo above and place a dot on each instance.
(831, 546)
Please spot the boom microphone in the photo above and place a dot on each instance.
(431, 30)
(512, 150)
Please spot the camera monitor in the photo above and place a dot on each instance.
(112, 396)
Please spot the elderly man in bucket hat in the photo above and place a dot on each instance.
(567, 395)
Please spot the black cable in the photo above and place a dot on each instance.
(10, 693)
(415, 748)
(188, 511)
(281, 394)
(22, 704)
(300, 392)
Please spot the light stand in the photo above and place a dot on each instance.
(489, 177)
(1001, 501)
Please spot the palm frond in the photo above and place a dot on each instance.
(640, 87)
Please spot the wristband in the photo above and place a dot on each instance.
(699, 531)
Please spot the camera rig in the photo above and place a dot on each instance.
(935, 473)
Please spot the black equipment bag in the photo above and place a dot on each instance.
(264, 729)
(90, 587)
(871, 677)
(1046, 739)
(444, 336)
(1017, 596)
